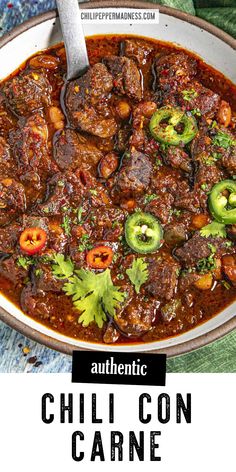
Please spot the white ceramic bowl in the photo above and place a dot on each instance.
(218, 50)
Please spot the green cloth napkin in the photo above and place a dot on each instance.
(221, 13)
(219, 356)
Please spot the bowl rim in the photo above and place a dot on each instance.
(47, 340)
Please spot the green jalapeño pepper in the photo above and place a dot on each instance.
(143, 232)
(222, 202)
(170, 125)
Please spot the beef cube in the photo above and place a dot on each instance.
(92, 122)
(196, 96)
(229, 161)
(44, 281)
(28, 92)
(161, 206)
(163, 277)
(7, 164)
(207, 174)
(137, 319)
(137, 50)
(12, 200)
(9, 236)
(12, 271)
(86, 101)
(70, 153)
(187, 199)
(127, 78)
(134, 175)
(199, 247)
(174, 70)
(30, 149)
(34, 221)
(178, 159)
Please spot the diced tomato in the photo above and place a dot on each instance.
(32, 240)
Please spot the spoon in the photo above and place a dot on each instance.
(73, 35)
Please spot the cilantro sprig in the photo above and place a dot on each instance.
(93, 295)
(213, 229)
(223, 140)
(138, 273)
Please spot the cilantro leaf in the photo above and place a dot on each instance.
(188, 95)
(25, 262)
(138, 273)
(223, 140)
(213, 229)
(63, 268)
(93, 295)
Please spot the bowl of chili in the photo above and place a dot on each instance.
(115, 246)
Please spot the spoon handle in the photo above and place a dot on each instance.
(73, 35)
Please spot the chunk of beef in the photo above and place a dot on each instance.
(137, 319)
(163, 277)
(28, 92)
(9, 236)
(12, 200)
(7, 164)
(30, 149)
(229, 161)
(138, 50)
(174, 70)
(70, 152)
(199, 247)
(127, 78)
(44, 281)
(134, 175)
(68, 189)
(86, 101)
(92, 122)
(108, 224)
(12, 271)
(190, 200)
(229, 268)
(178, 158)
(43, 305)
(205, 148)
(161, 206)
(30, 221)
(196, 96)
(208, 175)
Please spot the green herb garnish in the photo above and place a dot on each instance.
(149, 198)
(138, 273)
(94, 295)
(188, 95)
(213, 229)
(223, 140)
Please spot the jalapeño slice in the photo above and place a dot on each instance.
(222, 202)
(143, 232)
(165, 122)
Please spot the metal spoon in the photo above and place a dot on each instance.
(73, 35)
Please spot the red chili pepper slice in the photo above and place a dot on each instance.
(99, 257)
(32, 240)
